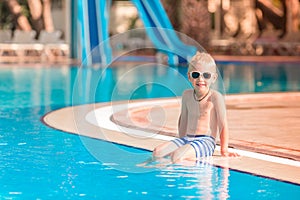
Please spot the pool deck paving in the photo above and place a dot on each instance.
(267, 124)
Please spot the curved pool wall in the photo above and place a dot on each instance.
(38, 162)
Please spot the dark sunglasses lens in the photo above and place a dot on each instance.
(206, 75)
(195, 74)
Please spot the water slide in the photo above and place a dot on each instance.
(161, 32)
(82, 33)
(93, 26)
(93, 35)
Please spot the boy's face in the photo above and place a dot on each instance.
(202, 77)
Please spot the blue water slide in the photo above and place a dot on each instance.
(93, 25)
(83, 31)
(161, 32)
(103, 11)
(93, 22)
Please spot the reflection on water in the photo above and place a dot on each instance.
(128, 82)
(37, 86)
(148, 81)
(202, 181)
(67, 85)
(260, 77)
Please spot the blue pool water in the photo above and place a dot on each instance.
(38, 162)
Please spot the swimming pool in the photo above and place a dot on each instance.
(38, 162)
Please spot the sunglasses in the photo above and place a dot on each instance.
(205, 75)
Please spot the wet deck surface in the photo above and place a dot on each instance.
(263, 123)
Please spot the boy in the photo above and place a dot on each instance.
(202, 117)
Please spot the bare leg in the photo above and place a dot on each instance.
(159, 152)
(179, 155)
(164, 149)
(184, 153)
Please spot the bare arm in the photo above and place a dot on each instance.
(223, 125)
(224, 140)
(182, 122)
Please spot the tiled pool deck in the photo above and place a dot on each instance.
(264, 129)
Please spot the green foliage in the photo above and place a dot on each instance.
(5, 16)
(7, 20)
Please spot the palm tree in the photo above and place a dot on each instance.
(173, 9)
(190, 17)
(196, 20)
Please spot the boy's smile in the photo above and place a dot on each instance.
(200, 87)
(201, 84)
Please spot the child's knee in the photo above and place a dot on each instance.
(156, 153)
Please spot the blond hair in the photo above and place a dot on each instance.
(202, 58)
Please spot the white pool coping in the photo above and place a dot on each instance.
(101, 117)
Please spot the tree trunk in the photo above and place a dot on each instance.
(48, 21)
(196, 21)
(172, 8)
(36, 11)
(16, 9)
(190, 17)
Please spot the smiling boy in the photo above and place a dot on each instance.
(202, 117)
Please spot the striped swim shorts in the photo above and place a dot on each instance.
(204, 145)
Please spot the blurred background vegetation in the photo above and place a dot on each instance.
(206, 21)
(28, 14)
